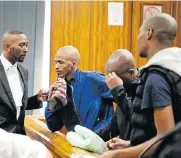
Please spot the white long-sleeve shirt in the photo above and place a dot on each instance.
(20, 146)
(15, 82)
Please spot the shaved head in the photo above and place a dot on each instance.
(155, 34)
(164, 26)
(67, 59)
(70, 52)
(10, 36)
(15, 46)
(120, 61)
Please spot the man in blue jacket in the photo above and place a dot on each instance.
(88, 99)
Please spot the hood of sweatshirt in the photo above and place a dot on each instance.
(169, 58)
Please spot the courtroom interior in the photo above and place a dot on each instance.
(90, 79)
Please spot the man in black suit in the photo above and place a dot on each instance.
(14, 83)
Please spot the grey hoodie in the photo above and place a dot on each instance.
(169, 58)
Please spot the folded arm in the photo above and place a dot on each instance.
(53, 119)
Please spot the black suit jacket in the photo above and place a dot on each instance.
(8, 112)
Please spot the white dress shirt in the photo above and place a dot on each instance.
(15, 82)
(20, 146)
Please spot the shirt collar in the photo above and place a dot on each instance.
(75, 75)
(6, 63)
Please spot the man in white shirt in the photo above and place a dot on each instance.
(19, 146)
(14, 83)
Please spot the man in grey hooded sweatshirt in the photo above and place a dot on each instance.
(156, 107)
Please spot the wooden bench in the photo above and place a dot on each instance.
(37, 129)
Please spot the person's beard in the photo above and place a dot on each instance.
(13, 58)
(143, 54)
(128, 85)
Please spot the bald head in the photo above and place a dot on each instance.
(120, 61)
(164, 27)
(67, 59)
(11, 36)
(70, 53)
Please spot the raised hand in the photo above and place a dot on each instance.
(112, 80)
(42, 95)
(57, 94)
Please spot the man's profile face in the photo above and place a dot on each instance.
(63, 65)
(142, 43)
(127, 76)
(18, 48)
(125, 71)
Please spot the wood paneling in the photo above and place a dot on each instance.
(136, 22)
(176, 12)
(84, 24)
(70, 26)
(104, 38)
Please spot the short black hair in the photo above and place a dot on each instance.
(14, 32)
(163, 25)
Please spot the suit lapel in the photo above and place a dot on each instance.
(24, 77)
(6, 86)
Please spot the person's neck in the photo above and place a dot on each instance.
(68, 77)
(156, 48)
(8, 58)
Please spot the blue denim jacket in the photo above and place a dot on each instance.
(63, 116)
(92, 98)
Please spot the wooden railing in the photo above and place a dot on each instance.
(37, 129)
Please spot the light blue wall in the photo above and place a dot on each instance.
(28, 17)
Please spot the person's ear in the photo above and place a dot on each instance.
(149, 33)
(7, 46)
(132, 73)
(74, 63)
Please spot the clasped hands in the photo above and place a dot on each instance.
(116, 143)
(56, 92)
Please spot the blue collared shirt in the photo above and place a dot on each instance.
(92, 98)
